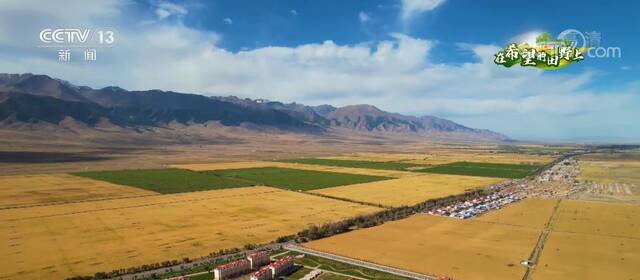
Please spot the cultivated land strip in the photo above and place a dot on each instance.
(139, 236)
(138, 205)
(76, 201)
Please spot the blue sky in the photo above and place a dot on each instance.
(419, 57)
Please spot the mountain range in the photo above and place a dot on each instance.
(30, 98)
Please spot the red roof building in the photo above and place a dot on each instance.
(258, 259)
(232, 269)
(262, 274)
(281, 266)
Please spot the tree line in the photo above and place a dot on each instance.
(315, 232)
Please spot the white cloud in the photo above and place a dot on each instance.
(166, 9)
(293, 12)
(411, 8)
(396, 74)
(227, 21)
(363, 17)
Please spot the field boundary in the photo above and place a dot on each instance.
(532, 262)
(369, 265)
(75, 201)
(347, 200)
(137, 205)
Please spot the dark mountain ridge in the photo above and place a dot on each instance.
(39, 98)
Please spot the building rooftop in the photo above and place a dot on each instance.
(262, 271)
(282, 261)
(233, 264)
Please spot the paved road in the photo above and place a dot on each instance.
(390, 270)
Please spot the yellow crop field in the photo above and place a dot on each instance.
(569, 256)
(599, 218)
(58, 241)
(592, 240)
(408, 190)
(439, 246)
(29, 190)
(531, 212)
(253, 164)
(444, 157)
(611, 172)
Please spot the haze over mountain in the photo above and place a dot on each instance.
(29, 98)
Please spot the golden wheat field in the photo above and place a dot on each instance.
(408, 190)
(592, 240)
(253, 164)
(439, 246)
(574, 256)
(58, 241)
(598, 218)
(446, 156)
(30, 190)
(531, 212)
(611, 171)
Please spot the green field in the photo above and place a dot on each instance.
(329, 276)
(294, 179)
(499, 170)
(166, 180)
(389, 165)
(334, 266)
(179, 180)
(206, 276)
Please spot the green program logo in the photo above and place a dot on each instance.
(545, 53)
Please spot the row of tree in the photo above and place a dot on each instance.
(364, 221)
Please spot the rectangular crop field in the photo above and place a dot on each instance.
(498, 170)
(531, 212)
(600, 218)
(294, 179)
(409, 190)
(389, 165)
(592, 240)
(576, 256)
(611, 172)
(31, 190)
(167, 180)
(439, 246)
(312, 167)
(437, 157)
(59, 241)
